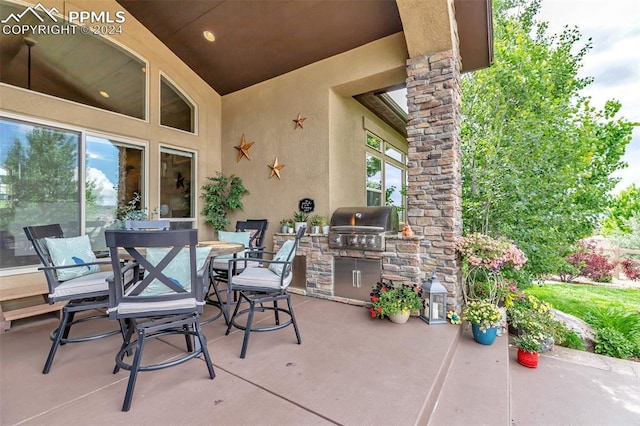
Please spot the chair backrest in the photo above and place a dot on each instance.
(147, 225)
(37, 235)
(170, 262)
(258, 225)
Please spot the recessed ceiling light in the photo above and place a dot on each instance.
(104, 94)
(208, 35)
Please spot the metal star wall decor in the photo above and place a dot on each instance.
(243, 148)
(275, 169)
(299, 121)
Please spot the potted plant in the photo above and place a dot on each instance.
(316, 221)
(395, 302)
(325, 225)
(483, 316)
(484, 261)
(300, 219)
(284, 226)
(221, 196)
(526, 314)
(529, 346)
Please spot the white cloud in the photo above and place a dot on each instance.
(107, 195)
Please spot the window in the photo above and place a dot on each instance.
(386, 173)
(175, 108)
(114, 177)
(47, 176)
(76, 66)
(176, 196)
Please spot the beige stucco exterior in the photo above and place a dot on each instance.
(325, 159)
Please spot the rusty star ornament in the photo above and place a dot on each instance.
(299, 121)
(275, 169)
(243, 148)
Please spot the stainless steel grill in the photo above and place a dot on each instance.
(362, 228)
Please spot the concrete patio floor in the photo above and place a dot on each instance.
(349, 370)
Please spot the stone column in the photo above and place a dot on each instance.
(434, 195)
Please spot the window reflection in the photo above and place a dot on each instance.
(175, 109)
(83, 68)
(175, 183)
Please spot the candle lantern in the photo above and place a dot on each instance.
(435, 301)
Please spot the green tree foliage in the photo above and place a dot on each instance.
(621, 209)
(43, 179)
(537, 157)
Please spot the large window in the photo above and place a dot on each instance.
(176, 110)
(50, 174)
(176, 175)
(70, 63)
(386, 173)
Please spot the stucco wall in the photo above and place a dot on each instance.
(325, 159)
(206, 143)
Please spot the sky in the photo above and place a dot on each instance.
(613, 61)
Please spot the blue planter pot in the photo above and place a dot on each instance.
(485, 338)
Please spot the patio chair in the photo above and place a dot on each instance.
(73, 275)
(251, 233)
(168, 299)
(265, 283)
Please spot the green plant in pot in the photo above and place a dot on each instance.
(529, 346)
(482, 313)
(317, 221)
(222, 195)
(300, 219)
(389, 300)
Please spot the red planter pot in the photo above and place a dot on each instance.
(528, 359)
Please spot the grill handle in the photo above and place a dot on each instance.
(356, 278)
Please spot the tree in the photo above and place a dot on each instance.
(537, 157)
(622, 208)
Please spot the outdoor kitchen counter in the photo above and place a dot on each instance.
(401, 262)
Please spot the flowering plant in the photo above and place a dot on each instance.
(482, 313)
(528, 342)
(454, 318)
(484, 258)
(387, 299)
(530, 316)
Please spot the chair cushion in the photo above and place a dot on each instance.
(177, 270)
(72, 251)
(261, 277)
(285, 253)
(83, 285)
(153, 307)
(233, 237)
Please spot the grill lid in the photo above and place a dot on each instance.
(372, 219)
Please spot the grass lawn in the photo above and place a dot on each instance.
(580, 299)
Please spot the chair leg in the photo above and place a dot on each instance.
(235, 312)
(56, 341)
(203, 346)
(67, 329)
(133, 375)
(293, 320)
(125, 342)
(247, 330)
(275, 312)
(187, 338)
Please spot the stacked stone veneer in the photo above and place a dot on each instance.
(401, 261)
(434, 195)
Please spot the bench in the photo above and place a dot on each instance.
(24, 296)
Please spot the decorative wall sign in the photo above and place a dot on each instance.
(243, 148)
(275, 169)
(306, 205)
(299, 121)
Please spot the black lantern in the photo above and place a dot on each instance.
(435, 301)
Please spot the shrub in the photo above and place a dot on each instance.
(631, 269)
(611, 342)
(591, 263)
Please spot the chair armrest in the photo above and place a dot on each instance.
(75, 265)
